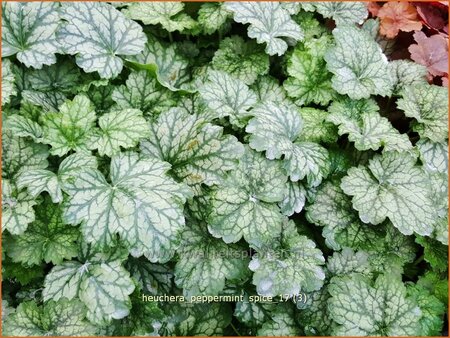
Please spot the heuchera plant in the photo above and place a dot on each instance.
(284, 150)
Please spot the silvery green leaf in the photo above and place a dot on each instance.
(170, 68)
(8, 85)
(392, 186)
(289, 265)
(348, 261)
(316, 127)
(367, 128)
(432, 310)
(275, 129)
(72, 165)
(407, 73)
(119, 129)
(21, 126)
(213, 17)
(252, 313)
(49, 101)
(17, 208)
(314, 313)
(28, 31)
(98, 34)
(154, 279)
(281, 323)
(47, 239)
(39, 180)
(244, 205)
(104, 287)
(168, 14)
(365, 309)
(267, 89)
(205, 264)
(269, 23)
(309, 80)
(19, 154)
(61, 318)
(343, 13)
(359, 66)
(141, 204)
(198, 151)
(292, 7)
(294, 200)
(428, 105)
(227, 96)
(71, 128)
(434, 155)
(243, 60)
(143, 92)
(60, 77)
(195, 319)
(332, 209)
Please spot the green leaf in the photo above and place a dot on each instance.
(227, 96)
(309, 80)
(435, 253)
(46, 239)
(119, 129)
(252, 313)
(38, 180)
(154, 279)
(432, 310)
(244, 205)
(49, 101)
(8, 79)
(434, 155)
(428, 105)
(243, 60)
(170, 68)
(213, 17)
(205, 263)
(348, 261)
(21, 126)
(294, 199)
(366, 127)
(28, 31)
(143, 92)
(280, 324)
(436, 284)
(168, 14)
(71, 128)
(97, 34)
(359, 66)
(314, 314)
(17, 208)
(276, 129)
(141, 204)
(267, 89)
(19, 155)
(292, 264)
(363, 309)
(144, 319)
(332, 209)
(102, 285)
(393, 187)
(407, 73)
(343, 13)
(269, 23)
(60, 77)
(197, 150)
(316, 128)
(62, 318)
(184, 319)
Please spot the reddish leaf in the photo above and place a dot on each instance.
(373, 8)
(398, 16)
(432, 15)
(431, 52)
